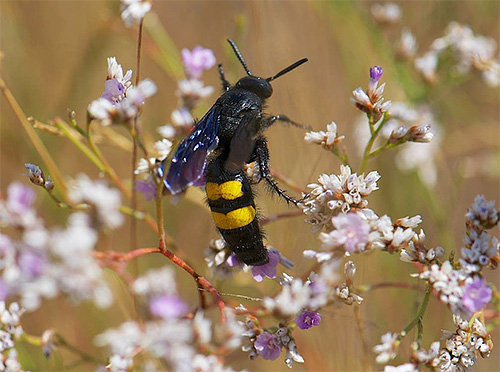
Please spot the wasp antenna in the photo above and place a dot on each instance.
(239, 55)
(288, 69)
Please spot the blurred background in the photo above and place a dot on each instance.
(54, 58)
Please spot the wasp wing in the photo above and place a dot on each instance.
(188, 164)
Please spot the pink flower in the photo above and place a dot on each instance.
(20, 198)
(168, 306)
(197, 61)
(351, 232)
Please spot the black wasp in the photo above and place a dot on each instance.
(223, 141)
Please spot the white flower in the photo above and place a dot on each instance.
(407, 367)
(389, 13)
(427, 66)
(101, 110)
(166, 131)
(156, 281)
(293, 297)
(193, 89)
(336, 194)
(132, 11)
(327, 139)
(388, 349)
(163, 148)
(407, 45)
(105, 200)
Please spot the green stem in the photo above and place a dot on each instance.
(419, 317)
(369, 145)
(66, 130)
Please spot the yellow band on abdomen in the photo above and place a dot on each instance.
(234, 219)
(229, 190)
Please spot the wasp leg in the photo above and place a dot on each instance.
(261, 153)
(225, 84)
(285, 119)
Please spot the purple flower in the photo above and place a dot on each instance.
(167, 306)
(146, 188)
(308, 319)
(476, 295)
(31, 264)
(4, 290)
(233, 261)
(197, 61)
(20, 198)
(375, 74)
(269, 269)
(351, 231)
(114, 90)
(267, 346)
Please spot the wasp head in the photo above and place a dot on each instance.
(257, 85)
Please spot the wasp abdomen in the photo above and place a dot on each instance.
(231, 201)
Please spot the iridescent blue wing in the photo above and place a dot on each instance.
(188, 164)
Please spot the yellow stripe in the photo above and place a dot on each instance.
(234, 219)
(229, 190)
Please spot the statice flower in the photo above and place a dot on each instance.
(217, 255)
(334, 194)
(427, 65)
(476, 295)
(156, 282)
(479, 250)
(417, 251)
(328, 139)
(294, 296)
(372, 102)
(269, 269)
(388, 349)
(307, 319)
(168, 306)
(117, 83)
(37, 177)
(350, 232)
(132, 11)
(388, 13)
(449, 284)
(197, 60)
(406, 47)
(75, 269)
(98, 195)
(482, 214)
(209, 363)
(463, 346)
(470, 50)
(422, 356)
(267, 346)
(127, 109)
(407, 367)
(18, 206)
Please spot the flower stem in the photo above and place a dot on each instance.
(419, 317)
(374, 133)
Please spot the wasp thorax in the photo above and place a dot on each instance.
(255, 84)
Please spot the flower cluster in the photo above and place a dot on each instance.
(173, 339)
(462, 347)
(10, 331)
(37, 177)
(335, 194)
(388, 13)
(40, 263)
(372, 102)
(133, 11)
(121, 102)
(416, 153)
(328, 139)
(190, 91)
